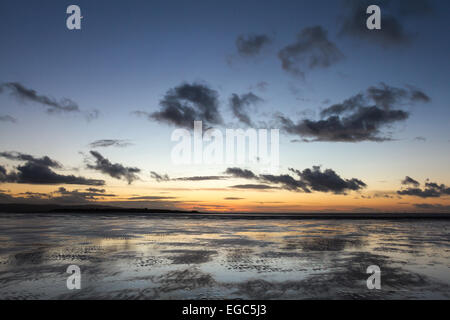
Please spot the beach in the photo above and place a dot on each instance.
(177, 257)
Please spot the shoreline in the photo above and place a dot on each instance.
(236, 216)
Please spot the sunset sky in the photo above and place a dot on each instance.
(86, 116)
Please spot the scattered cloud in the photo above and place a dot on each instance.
(286, 181)
(262, 86)
(44, 161)
(239, 105)
(39, 171)
(164, 177)
(110, 143)
(411, 181)
(159, 177)
(115, 170)
(311, 50)
(430, 190)
(96, 190)
(359, 118)
(61, 196)
(300, 141)
(386, 96)
(77, 196)
(251, 45)
(92, 115)
(241, 173)
(328, 181)
(151, 198)
(184, 104)
(253, 186)
(7, 118)
(200, 178)
(308, 180)
(384, 195)
(29, 95)
(420, 139)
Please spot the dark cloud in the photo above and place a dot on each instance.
(76, 196)
(431, 189)
(35, 195)
(386, 96)
(200, 178)
(7, 118)
(422, 193)
(359, 118)
(300, 141)
(380, 195)
(328, 181)
(59, 196)
(96, 190)
(115, 170)
(159, 177)
(110, 143)
(418, 96)
(239, 105)
(360, 126)
(233, 198)
(151, 198)
(44, 161)
(241, 173)
(4, 176)
(63, 196)
(6, 198)
(308, 180)
(38, 174)
(25, 94)
(251, 45)
(253, 186)
(287, 182)
(411, 181)
(311, 50)
(37, 171)
(184, 104)
(164, 177)
(348, 105)
(392, 31)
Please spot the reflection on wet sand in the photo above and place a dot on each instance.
(129, 257)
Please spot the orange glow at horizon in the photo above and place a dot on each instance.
(223, 199)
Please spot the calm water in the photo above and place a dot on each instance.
(126, 257)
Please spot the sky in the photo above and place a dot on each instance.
(86, 116)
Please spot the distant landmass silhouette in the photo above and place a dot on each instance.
(112, 210)
(49, 208)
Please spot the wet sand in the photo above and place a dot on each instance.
(183, 257)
